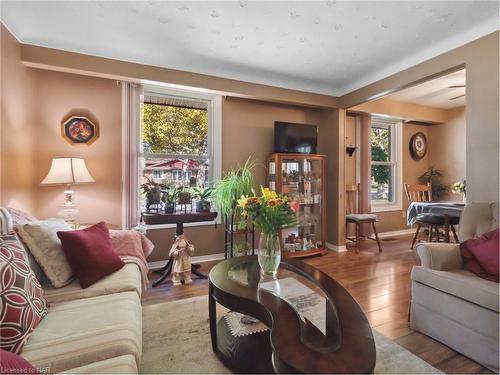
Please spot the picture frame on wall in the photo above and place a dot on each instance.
(79, 130)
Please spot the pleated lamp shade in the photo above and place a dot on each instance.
(67, 171)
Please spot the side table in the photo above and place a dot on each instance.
(178, 218)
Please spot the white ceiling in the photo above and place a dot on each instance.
(435, 93)
(330, 47)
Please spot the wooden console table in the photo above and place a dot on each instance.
(178, 218)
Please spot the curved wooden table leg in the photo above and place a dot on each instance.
(167, 271)
(194, 269)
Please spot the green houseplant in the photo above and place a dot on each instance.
(203, 199)
(235, 183)
(153, 192)
(169, 197)
(434, 177)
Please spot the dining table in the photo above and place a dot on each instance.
(450, 208)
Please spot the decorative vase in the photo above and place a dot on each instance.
(269, 253)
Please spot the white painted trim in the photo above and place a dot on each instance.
(402, 232)
(398, 162)
(338, 249)
(199, 259)
(214, 105)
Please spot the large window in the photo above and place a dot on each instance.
(179, 141)
(385, 189)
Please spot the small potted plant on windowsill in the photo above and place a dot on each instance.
(170, 196)
(203, 199)
(153, 192)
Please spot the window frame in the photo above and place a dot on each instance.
(396, 162)
(214, 141)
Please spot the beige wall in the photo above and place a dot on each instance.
(350, 140)
(331, 142)
(480, 58)
(18, 129)
(403, 110)
(53, 59)
(63, 94)
(447, 148)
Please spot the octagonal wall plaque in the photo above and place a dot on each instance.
(79, 130)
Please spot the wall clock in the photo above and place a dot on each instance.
(418, 145)
(79, 130)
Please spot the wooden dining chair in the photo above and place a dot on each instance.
(353, 216)
(423, 193)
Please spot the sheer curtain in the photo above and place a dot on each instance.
(132, 94)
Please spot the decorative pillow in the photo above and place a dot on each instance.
(42, 241)
(481, 255)
(90, 253)
(35, 267)
(20, 217)
(11, 363)
(6, 226)
(21, 296)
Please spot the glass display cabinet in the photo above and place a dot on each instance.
(302, 178)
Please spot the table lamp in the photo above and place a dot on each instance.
(68, 171)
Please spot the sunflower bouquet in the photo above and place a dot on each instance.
(270, 213)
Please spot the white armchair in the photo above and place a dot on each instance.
(451, 304)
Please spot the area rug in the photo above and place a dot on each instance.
(176, 339)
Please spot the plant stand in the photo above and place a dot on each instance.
(230, 235)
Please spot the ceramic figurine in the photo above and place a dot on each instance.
(181, 251)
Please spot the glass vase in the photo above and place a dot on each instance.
(269, 253)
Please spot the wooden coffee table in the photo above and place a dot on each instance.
(315, 326)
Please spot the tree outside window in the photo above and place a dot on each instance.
(382, 164)
(175, 145)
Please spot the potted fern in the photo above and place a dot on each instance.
(235, 183)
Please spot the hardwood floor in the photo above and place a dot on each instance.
(380, 283)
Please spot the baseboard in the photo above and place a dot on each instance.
(402, 232)
(337, 248)
(199, 259)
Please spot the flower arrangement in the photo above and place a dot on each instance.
(458, 187)
(269, 212)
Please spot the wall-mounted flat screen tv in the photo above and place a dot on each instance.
(295, 138)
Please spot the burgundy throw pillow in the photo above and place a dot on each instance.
(11, 363)
(90, 253)
(22, 303)
(481, 255)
